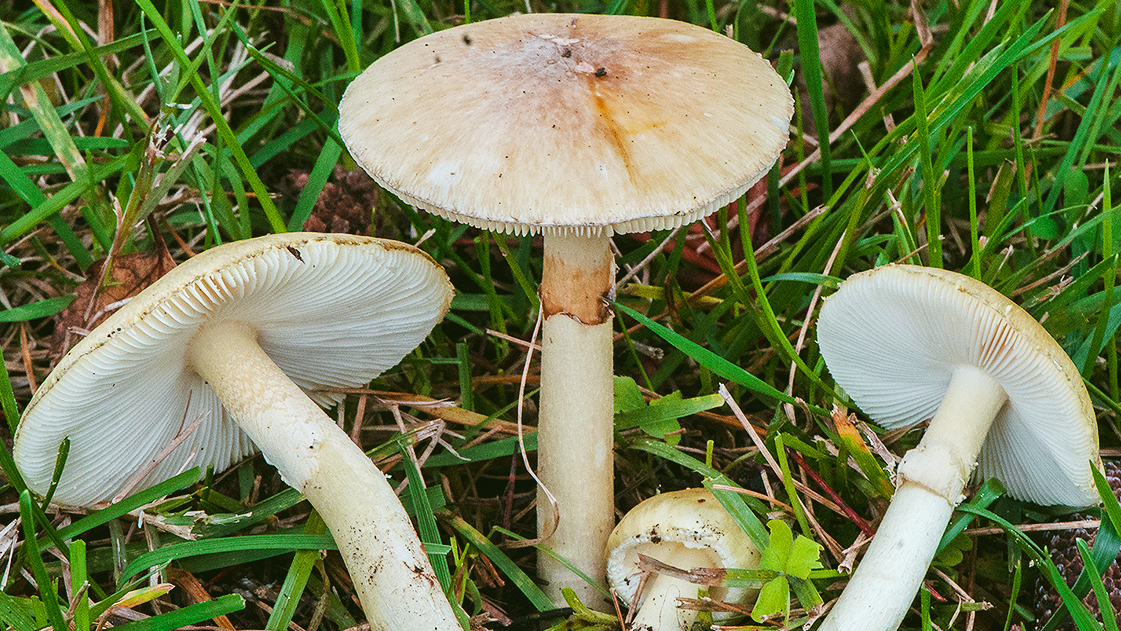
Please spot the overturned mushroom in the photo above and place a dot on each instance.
(913, 343)
(246, 339)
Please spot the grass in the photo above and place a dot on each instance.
(984, 140)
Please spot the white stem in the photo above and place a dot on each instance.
(931, 476)
(659, 609)
(574, 434)
(387, 563)
(884, 584)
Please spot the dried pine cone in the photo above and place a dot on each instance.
(345, 205)
(1064, 552)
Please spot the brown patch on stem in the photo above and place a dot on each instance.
(576, 291)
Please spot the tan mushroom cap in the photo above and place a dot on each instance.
(892, 336)
(332, 311)
(581, 124)
(690, 518)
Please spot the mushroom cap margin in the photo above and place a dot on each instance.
(130, 373)
(891, 337)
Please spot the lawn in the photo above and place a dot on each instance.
(978, 137)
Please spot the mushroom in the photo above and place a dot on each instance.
(686, 529)
(575, 127)
(244, 340)
(912, 343)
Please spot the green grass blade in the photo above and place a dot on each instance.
(426, 521)
(17, 613)
(504, 563)
(48, 591)
(8, 402)
(667, 410)
(556, 557)
(130, 503)
(743, 509)
(791, 490)
(710, 360)
(1109, 618)
(35, 97)
(78, 578)
(317, 179)
(769, 323)
(988, 493)
(40, 309)
(60, 200)
(1078, 612)
(216, 115)
(189, 615)
(810, 54)
(279, 544)
(930, 179)
(296, 580)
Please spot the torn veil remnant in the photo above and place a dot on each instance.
(248, 339)
(575, 127)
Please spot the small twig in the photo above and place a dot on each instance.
(649, 257)
(755, 438)
(553, 519)
(859, 112)
(860, 522)
(182, 435)
(25, 354)
(756, 494)
(787, 407)
(1089, 524)
(1041, 114)
(509, 338)
(359, 416)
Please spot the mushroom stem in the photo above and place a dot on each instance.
(575, 423)
(658, 610)
(391, 572)
(931, 476)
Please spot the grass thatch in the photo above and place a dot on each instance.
(976, 136)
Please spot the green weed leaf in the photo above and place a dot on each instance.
(794, 559)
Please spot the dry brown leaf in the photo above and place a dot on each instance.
(129, 275)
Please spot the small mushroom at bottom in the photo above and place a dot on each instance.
(686, 529)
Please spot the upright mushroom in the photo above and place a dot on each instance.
(686, 529)
(576, 127)
(913, 343)
(245, 339)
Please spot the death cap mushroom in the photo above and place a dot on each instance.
(575, 127)
(685, 529)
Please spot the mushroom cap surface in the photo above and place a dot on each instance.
(332, 311)
(892, 336)
(582, 124)
(693, 518)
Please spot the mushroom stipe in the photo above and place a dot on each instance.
(576, 127)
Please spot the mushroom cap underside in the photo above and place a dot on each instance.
(581, 124)
(892, 336)
(332, 311)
